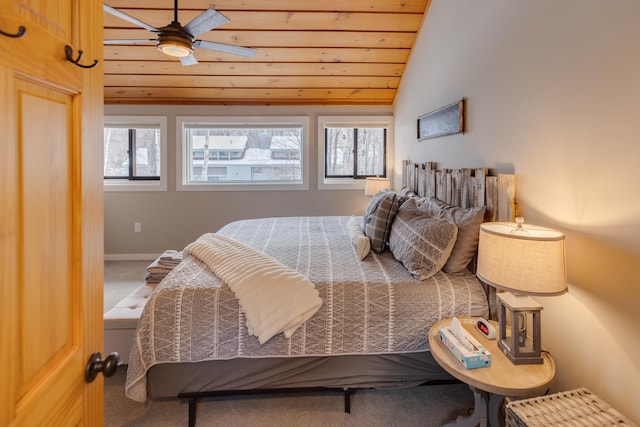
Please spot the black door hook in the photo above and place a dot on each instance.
(68, 50)
(20, 33)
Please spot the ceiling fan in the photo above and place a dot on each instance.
(178, 41)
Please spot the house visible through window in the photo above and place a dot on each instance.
(221, 151)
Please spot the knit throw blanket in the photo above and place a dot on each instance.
(273, 298)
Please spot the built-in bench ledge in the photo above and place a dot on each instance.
(121, 321)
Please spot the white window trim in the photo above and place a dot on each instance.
(181, 173)
(155, 185)
(351, 121)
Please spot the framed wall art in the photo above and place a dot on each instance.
(447, 120)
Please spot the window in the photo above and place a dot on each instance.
(237, 153)
(354, 152)
(134, 153)
(353, 148)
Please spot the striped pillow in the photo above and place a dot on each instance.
(379, 216)
(420, 242)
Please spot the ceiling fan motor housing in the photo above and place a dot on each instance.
(174, 41)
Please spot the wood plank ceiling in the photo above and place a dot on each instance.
(327, 52)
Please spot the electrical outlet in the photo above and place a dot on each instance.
(137, 227)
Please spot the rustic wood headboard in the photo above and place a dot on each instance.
(467, 187)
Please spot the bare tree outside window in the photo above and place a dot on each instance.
(371, 151)
(116, 152)
(147, 152)
(132, 152)
(355, 152)
(339, 151)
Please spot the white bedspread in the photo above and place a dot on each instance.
(273, 298)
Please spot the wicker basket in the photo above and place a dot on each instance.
(578, 407)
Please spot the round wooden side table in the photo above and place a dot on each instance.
(491, 384)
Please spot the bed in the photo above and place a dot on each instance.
(370, 329)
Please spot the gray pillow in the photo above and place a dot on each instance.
(420, 242)
(404, 191)
(378, 217)
(468, 221)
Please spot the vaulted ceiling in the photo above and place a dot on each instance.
(332, 52)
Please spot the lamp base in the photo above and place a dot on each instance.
(519, 360)
(513, 311)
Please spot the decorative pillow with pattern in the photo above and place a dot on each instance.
(420, 242)
(378, 217)
(408, 194)
(405, 192)
(468, 221)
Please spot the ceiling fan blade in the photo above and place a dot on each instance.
(226, 48)
(128, 18)
(131, 41)
(207, 20)
(188, 60)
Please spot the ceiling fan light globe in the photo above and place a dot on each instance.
(175, 46)
(173, 50)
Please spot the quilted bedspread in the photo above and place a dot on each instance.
(372, 306)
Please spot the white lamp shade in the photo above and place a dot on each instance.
(522, 258)
(374, 185)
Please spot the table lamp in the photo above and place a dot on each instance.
(522, 260)
(374, 185)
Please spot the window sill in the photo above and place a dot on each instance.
(126, 185)
(341, 184)
(254, 186)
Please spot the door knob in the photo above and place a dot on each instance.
(108, 366)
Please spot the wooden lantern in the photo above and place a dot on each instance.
(514, 314)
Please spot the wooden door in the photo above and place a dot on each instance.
(51, 213)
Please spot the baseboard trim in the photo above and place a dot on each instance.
(130, 257)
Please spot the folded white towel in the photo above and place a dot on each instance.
(273, 297)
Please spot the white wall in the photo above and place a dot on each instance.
(552, 92)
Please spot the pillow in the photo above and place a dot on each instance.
(408, 194)
(420, 242)
(360, 242)
(378, 217)
(404, 191)
(468, 221)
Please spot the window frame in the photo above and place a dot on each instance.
(142, 184)
(351, 183)
(182, 155)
